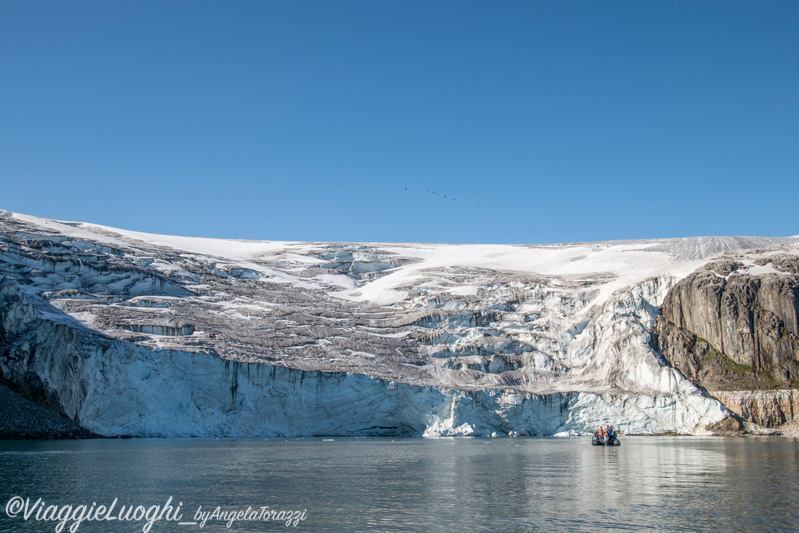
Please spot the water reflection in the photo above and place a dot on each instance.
(664, 484)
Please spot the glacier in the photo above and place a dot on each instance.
(129, 333)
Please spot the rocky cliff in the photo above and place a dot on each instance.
(732, 328)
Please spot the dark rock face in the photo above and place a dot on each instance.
(728, 329)
(20, 418)
(729, 427)
(734, 331)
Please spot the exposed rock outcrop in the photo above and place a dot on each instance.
(767, 408)
(20, 418)
(732, 327)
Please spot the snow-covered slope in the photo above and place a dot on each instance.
(157, 335)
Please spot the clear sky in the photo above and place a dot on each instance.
(330, 120)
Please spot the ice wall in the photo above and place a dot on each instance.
(118, 388)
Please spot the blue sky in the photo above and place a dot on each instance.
(545, 121)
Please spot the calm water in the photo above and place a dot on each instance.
(654, 483)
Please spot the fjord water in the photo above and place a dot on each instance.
(453, 484)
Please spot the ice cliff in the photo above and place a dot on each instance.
(139, 334)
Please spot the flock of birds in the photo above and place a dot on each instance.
(440, 195)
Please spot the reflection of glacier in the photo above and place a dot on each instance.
(648, 474)
(150, 335)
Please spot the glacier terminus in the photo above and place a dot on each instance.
(139, 334)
